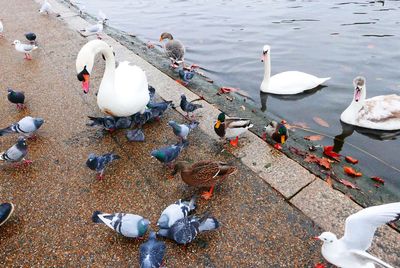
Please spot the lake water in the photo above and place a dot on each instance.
(340, 39)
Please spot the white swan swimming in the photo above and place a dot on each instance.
(286, 83)
(380, 112)
(123, 90)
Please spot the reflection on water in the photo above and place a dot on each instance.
(340, 39)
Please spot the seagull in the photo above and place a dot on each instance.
(46, 7)
(1, 29)
(96, 29)
(102, 16)
(25, 48)
(350, 250)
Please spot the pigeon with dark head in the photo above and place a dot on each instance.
(16, 97)
(99, 163)
(185, 231)
(182, 130)
(16, 153)
(128, 225)
(176, 211)
(186, 74)
(110, 123)
(152, 252)
(26, 126)
(189, 107)
(169, 153)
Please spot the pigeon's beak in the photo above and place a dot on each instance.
(218, 124)
(85, 83)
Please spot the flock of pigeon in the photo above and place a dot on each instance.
(178, 221)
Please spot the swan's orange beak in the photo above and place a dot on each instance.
(85, 83)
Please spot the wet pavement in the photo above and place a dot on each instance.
(56, 196)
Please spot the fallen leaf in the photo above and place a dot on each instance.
(328, 151)
(311, 158)
(377, 185)
(320, 121)
(225, 90)
(324, 162)
(378, 179)
(320, 265)
(350, 171)
(297, 151)
(313, 138)
(348, 184)
(329, 181)
(351, 160)
(209, 80)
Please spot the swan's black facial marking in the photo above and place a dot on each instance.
(80, 76)
(265, 52)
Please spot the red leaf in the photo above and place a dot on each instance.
(378, 179)
(320, 121)
(297, 151)
(351, 160)
(348, 184)
(324, 162)
(314, 138)
(311, 158)
(350, 171)
(328, 151)
(224, 90)
(320, 265)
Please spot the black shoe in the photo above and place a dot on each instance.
(6, 209)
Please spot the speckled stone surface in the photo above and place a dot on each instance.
(56, 196)
(329, 209)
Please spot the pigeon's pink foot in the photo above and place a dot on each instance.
(32, 137)
(27, 162)
(100, 177)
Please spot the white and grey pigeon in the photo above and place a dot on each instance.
(185, 230)
(24, 48)
(16, 153)
(182, 130)
(45, 8)
(100, 162)
(152, 252)
(96, 29)
(1, 29)
(350, 250)
(26, 126)
(129, 225)
(174, 212)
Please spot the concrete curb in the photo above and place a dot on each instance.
(325, 206)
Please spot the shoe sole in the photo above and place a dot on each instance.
(9, 215)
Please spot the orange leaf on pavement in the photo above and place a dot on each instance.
(320, 121)
(350, 171)
(351, 160)
(314, 138)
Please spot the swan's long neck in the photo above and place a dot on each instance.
(357, 105)
(267, 70)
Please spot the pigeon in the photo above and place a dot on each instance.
(185, 231)
(99, 163)
(152, 252)
(24, 48)
(1, 29)
(158, 108)
(189, 107)
(182, 130)
(16, 97)
(176, 211)
(31, 37)
(26, 126)
(152, 93)
(128, 225)
(96, 29)
(350, 250)
(277, 132)
(45, 8)
(110, 123)
(169, 153)
(186, 74)
(16, 153)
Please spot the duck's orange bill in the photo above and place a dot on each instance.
(283, 139)
(217, 124)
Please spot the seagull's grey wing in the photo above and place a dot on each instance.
(175, 50)
(368, 258)
(27, 47)
(94, 28)
(361, 226)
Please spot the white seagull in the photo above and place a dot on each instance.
(350, 250)
(96, 29)
(45, 8)
(25, 48)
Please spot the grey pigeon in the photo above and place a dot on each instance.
(152, 252)
(185, 230)
(135, 135)
(182, 130)
(176, 211)
(189, 107)
(16, 153)
(152, 93)
(99, 163)
(158, 108)
(169, 153)
(110, 123)
(26, 126)
(16, 97)
(129, 225)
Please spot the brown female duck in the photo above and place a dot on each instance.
(204, 174)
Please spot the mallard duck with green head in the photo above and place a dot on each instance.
(204, 174)
(277, 132)
(231, 128)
